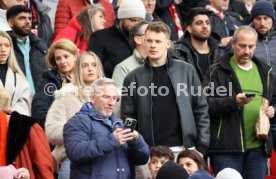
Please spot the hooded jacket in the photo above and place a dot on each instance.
(73, 33)
(226, 118)
(183, 50)
(66, 9)
(93, 150)
(193, 109)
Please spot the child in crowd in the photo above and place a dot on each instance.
(159, 155)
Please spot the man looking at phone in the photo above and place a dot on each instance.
(95, 141)
(233, 117)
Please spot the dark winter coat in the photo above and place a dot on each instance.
(93, 150)
(44, 95)
(37, 57)
(226, 118)
(183, 50)
(112, 46)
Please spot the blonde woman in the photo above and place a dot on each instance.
(68, 101)
(12, 78)
(60, 59)
(90, 19)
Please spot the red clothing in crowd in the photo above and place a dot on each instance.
(70, 32)
(66, 9)
(27, 146)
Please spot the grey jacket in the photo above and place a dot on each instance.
(193, 109)
(265, 50)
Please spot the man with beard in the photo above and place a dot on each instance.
(29, 49)
(233, 116)
(263, 16)
(113, 45)
(196, 46)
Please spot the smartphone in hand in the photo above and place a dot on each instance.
(130, 123)
(248, 95)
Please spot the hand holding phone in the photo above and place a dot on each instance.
(130, 123)
(248, 95)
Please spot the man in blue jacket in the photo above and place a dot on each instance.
(96, 142)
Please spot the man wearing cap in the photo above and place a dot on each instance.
(113, 45)
(263, 17)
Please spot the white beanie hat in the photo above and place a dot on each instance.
(229, 173)
(131, 8)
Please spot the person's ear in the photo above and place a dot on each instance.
(189, 29)
(11, 22)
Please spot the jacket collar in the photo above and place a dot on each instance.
(169, 61)
(34, 41)
(138, 57)
(89, 110)
(186, 40)
(225, 62)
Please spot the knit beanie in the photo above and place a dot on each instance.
(263, 8)
(172, 170)
(131, 8)
(228, 173)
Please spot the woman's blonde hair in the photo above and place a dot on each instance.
(87, 21)
(11, 61)
(63, 44)
(4, 100)
(78, 78)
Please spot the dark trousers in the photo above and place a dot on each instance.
(251, 164)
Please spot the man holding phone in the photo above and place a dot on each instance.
(233, 117)
(96, 142)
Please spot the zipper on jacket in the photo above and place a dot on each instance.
(265, 41)
(198, 64)
(219, 129)
(226, 28)
(151, 106)
(242, 145)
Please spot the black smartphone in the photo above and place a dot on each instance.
(130, 123)
(248, 95)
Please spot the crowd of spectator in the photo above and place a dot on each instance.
(146, 89)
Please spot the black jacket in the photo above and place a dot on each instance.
(183, 50)
(162, 10)
(112, 47)
(37, 53)
(44, 95)
(193, 109)
(225, 27)
(226, 118)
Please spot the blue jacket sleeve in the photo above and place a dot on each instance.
(138, 151)
(79, 147)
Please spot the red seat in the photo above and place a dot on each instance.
(273, 164)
